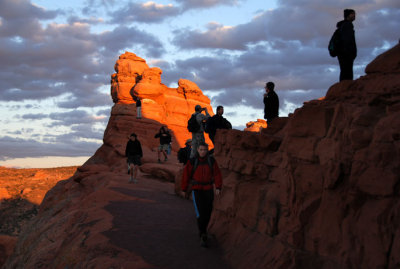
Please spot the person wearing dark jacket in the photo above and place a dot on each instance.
(347, 51)
(133, 152)
(200, 175)
(165, 139)
(271, 103)
(217, 122)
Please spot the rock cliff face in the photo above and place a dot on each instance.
(320, 189)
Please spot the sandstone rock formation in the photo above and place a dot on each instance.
(170, 106)
(256, 126)
(321, 188)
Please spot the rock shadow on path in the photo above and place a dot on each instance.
(161, 228)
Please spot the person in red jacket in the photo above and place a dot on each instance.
(200, 175)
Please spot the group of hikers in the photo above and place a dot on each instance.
(201, 173)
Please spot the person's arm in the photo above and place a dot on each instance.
(127, 149)
(185, 176)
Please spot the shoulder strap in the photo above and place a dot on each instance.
(194, 162)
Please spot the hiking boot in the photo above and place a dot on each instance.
(166, 159)
(135, 181)
(130, 180)
(159, 161)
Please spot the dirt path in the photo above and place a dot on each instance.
(160, 227)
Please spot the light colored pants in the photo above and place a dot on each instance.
(138, 112)
(197, 138)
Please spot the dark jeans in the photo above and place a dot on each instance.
(346, 68)
(203, 205)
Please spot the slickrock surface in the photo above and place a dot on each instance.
(105, 222)
(321, 188)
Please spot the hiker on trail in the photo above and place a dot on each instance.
(347, 49)
(133, 152)
(271, 103)
(217, 122)
(138, 108)
(165, 139)
(196, 127)
(200, 175)
(184, 153)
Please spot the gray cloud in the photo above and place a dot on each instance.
(147, 12)
(22, 148)
(193, 4)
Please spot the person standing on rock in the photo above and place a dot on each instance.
(347, 49)
(165, 139)
(197, 128)
(138, 108)
(134, 153)
(271, 103)
(217, 122)
(200, 175)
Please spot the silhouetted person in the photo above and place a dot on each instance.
(200, 175)
(198, 136)
(165, 139)
(347, 49)
(217, 122)
(184, 153)
(134, 153)
(271, 102)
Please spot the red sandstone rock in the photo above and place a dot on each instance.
(7, 244)
(321, 189)
(256, 126)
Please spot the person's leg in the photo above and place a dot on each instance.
(139, 112)
(194, 146)
(346, 68)
(131, 166)
(158, 153)
(208, 206)
(135, 173)
(165, 152)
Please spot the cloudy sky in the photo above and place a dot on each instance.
(56, 58)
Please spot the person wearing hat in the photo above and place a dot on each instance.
(271, 103)
(184, 153)
(198, 136)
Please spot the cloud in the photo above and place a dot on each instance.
(195, 4)
(147, 12)
(22, 148)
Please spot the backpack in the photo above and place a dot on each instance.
(193, 126)
(195, 162)
(183, 155)
(334, 43)
(209, 125)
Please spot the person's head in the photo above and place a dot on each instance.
(197, 108)
(188, 142)
(202, 149)
(133, 136)
(163, 129)
(220, 110)
(349, 14)
(269, 86)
